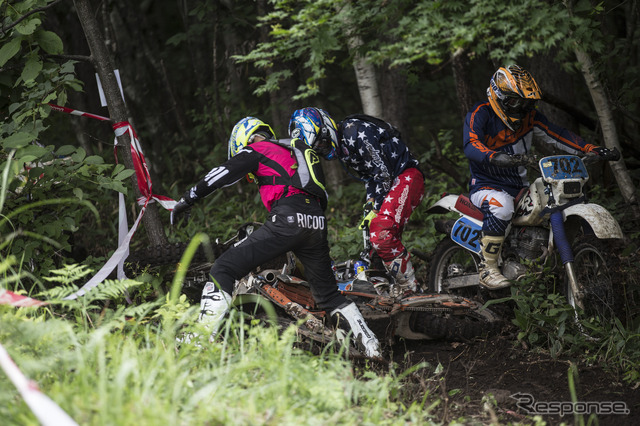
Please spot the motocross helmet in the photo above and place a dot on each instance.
(317, 129)
(243, 132)
(513, 93)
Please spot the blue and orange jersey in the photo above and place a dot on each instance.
(485, 134)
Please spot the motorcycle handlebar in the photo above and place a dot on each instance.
(590, 158)
(612, 155)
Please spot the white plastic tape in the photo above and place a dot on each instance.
(47, 411)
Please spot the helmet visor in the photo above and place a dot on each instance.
(323, 147)
(517, 106)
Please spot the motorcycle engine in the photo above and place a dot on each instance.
(529, 242)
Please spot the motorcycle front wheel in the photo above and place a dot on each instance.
(453, 269)
(594, 280)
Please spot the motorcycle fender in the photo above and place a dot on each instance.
(445, 204)
(601, 221)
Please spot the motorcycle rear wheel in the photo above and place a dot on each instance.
(452, 264)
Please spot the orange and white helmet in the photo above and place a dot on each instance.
(513, 93)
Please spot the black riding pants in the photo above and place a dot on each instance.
(296, 224)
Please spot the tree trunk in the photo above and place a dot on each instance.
(627, 188)
(117, 109)
(280, 99)
(366, 77)
(367, 87)
(393, 95)
(461, 78)
(605, 115)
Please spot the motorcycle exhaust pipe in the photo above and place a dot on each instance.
(270, 276)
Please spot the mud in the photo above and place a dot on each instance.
(477, 381)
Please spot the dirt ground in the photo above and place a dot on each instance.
(463, 375)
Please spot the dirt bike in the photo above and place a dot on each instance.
(417, 317)
(553, 222)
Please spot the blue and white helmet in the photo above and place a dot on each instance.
(243, 131)
(317, 129)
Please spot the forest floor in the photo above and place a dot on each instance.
(476, 381)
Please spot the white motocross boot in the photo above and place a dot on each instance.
(214, 305)
(350, 318)
(404, 275)
(490, 276)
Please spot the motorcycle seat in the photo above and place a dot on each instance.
(466, 207)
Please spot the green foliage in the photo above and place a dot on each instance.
(123, 366)
(106, 361)
(543, 316)
(432, 31)
(310, 31)
(317, 33)
(546, 321)
(344, 214)
(49, 204)
(43, 185)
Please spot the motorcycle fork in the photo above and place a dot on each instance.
(566, 254)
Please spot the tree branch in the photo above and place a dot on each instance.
(81, 58)
(40, 9)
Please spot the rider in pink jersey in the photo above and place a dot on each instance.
(296, 223)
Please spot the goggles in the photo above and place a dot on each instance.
(516, 104)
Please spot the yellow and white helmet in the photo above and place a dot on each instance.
(243, 132)
(513, 93)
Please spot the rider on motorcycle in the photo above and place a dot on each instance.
(497, 135)
(296, 223)
(394, 182)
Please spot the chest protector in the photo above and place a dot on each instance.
(308, 175)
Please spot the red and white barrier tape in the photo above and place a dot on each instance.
(44, 408)
(144, 185)
(140, 167)
(117, 259)
(76, 112)
(10, 298)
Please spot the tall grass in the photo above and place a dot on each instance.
(130, 370)
(108, 363)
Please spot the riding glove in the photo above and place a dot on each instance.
(181, 207)
(368, 215)
(601, 151)
(500, 159)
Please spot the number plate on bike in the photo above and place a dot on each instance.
(560, 167)
(467, 232)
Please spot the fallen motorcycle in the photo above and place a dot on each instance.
(553, 226)
(417, 317)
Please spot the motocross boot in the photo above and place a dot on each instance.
(349, 318)
(404, 275)
(490, 276)
(214, 305)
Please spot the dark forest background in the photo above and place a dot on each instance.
(191, 69)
